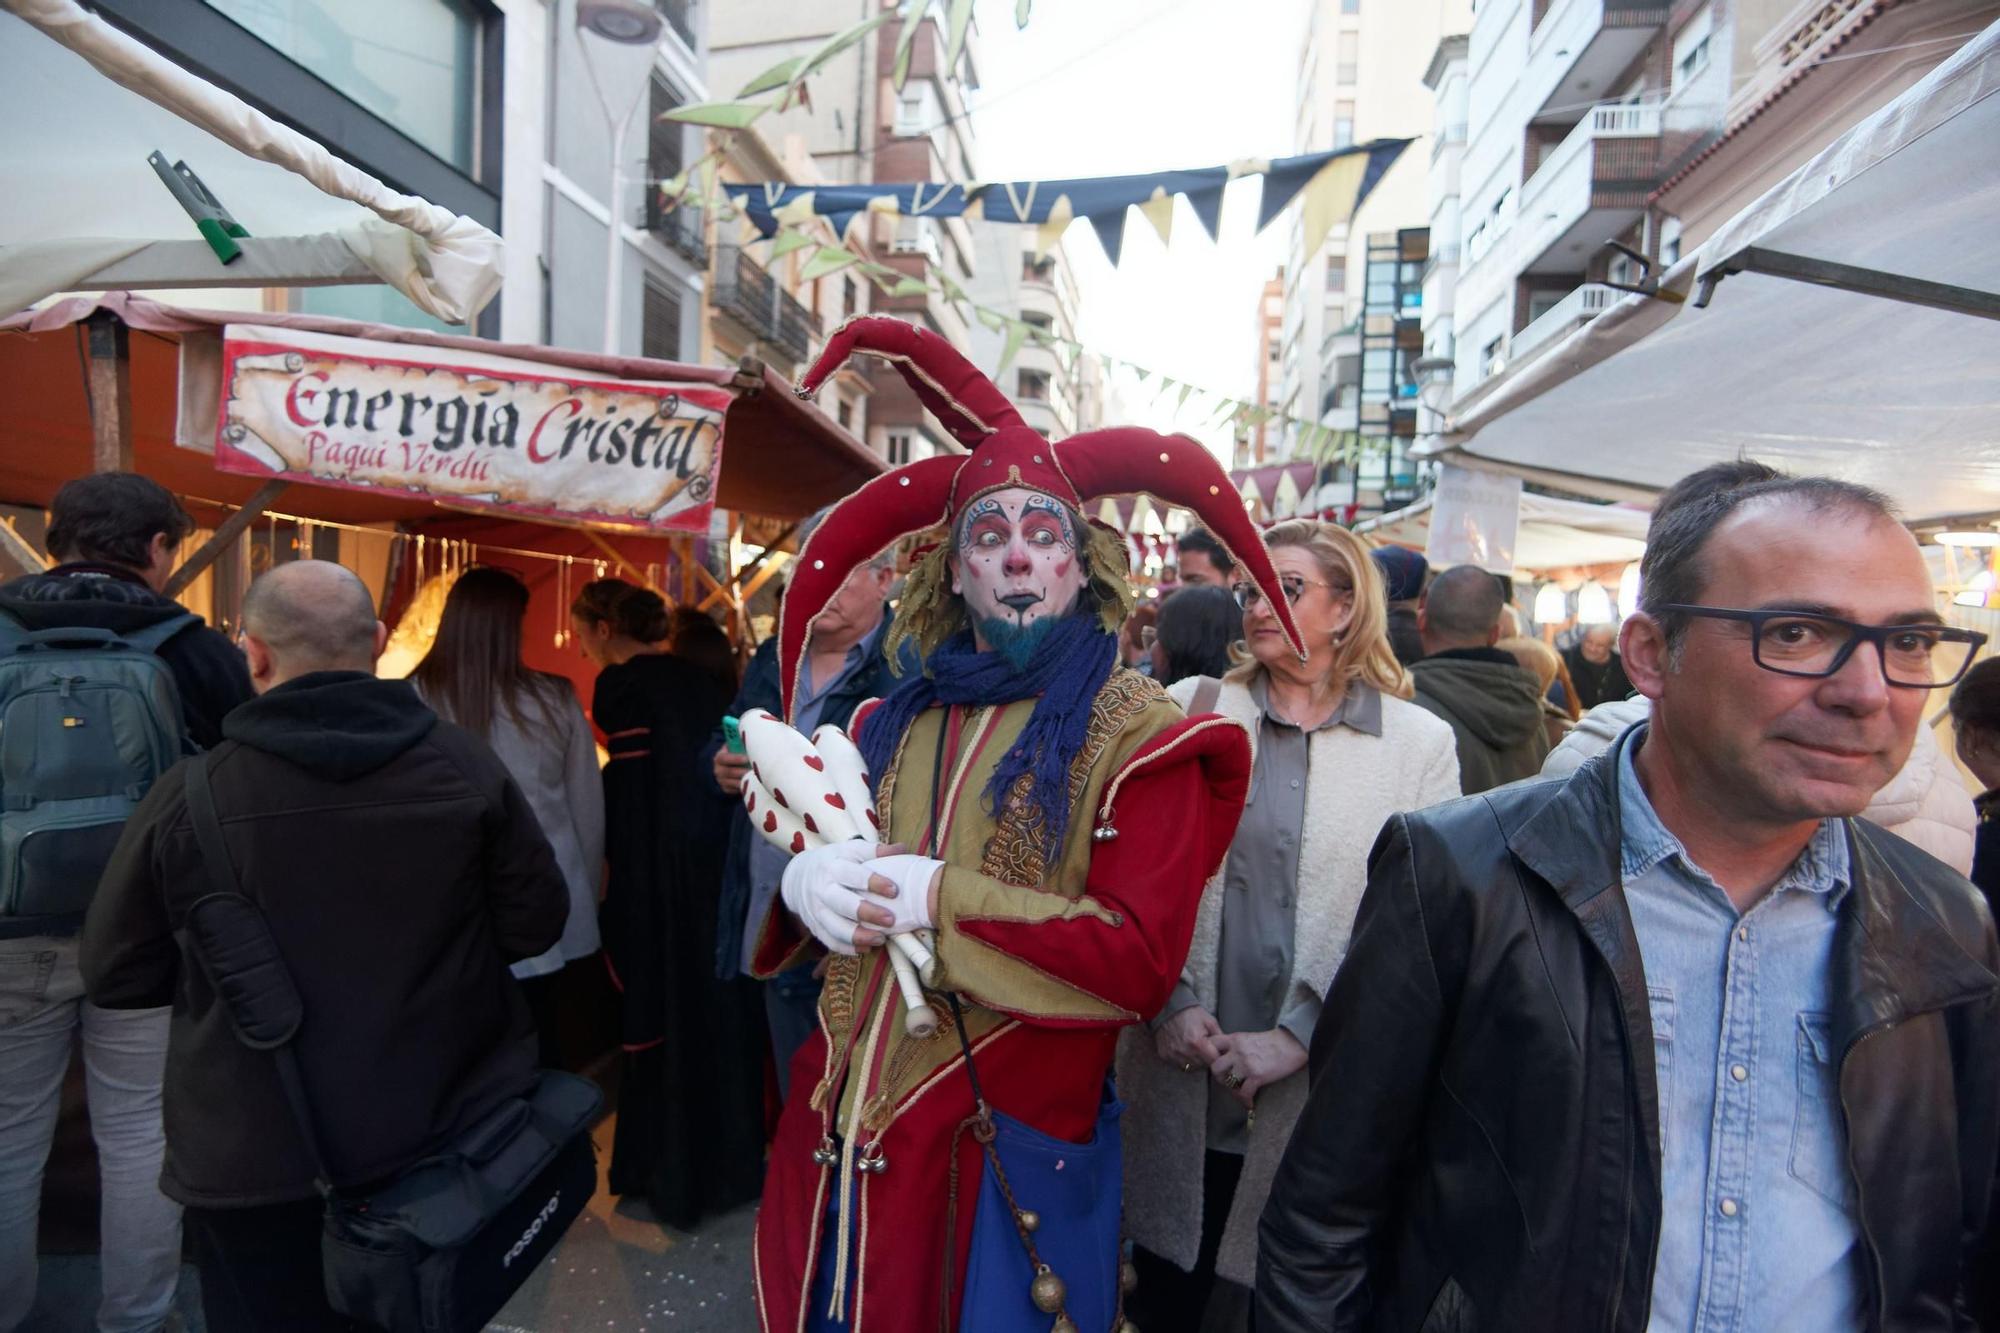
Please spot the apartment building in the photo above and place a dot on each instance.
(858, 128)
(1610, 137)
(1046, 382)
(1360, 78)
(1254, 444)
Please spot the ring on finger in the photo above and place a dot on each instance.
(1233, 1080)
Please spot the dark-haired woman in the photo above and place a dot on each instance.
(1197, 625)
(701, 641)
(474, 676)
(690, 1133)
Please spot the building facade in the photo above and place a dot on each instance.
(1254, 444)
(860, 128)
(1360, 78)
(1045, 380)
(1611, 137)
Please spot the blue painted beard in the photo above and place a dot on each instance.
(1014, 641)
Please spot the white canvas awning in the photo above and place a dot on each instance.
(1554, 534)
(1889, 379)
(84, 105)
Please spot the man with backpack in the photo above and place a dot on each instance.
(104, 683)
(399, 870)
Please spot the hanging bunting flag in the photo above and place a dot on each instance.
(1334, 184)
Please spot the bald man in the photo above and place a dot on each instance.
(401, 871)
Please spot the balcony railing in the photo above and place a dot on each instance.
(748, 293)
(1604, 122)
(680, 229)
(1579, 307)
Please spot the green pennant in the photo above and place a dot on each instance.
(1186, 389)
(1021, 8)
(1017, 332)
(719, 115)
(913, 23)
(777, 76)
(960, 19)
(789, 240)
(827, 259)
(908, 286)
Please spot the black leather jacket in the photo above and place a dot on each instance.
(1480, 1149)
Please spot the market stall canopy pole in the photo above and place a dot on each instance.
(75, 136)
(231, 528)
(1810, 376)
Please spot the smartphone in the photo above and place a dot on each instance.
(732, 736)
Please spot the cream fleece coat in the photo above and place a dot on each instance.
(1355, 784)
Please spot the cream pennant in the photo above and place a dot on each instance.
(1051, 231)
(797, 213)
(1329, 198)
(1159, 210)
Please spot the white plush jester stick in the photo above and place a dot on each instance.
(797, 800)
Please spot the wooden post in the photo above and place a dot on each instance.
(232, 528)
(618, 558)
(28, 558)
(108, 381)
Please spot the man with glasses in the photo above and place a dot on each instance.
(1676, 1043)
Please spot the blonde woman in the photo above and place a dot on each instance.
(1545, 664)
(1213, 1088)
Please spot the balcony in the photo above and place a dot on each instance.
(1586, 190)
(1569, 314)
(680, 229)
(748, 294)
(1580, 46)
(1447, 137)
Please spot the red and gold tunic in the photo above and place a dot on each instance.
(1049, 961)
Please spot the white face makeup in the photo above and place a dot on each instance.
(1017, 558)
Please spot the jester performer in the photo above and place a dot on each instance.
(1049, 819)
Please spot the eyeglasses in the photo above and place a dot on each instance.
(1248, 595)
(1794, 643)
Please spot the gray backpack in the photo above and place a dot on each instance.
(89, 719)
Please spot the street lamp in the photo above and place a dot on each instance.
(617, 40)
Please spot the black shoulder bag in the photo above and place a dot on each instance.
(442, 1245)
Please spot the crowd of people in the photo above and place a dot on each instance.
(1313, 941)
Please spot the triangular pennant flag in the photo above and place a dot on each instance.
(788, 241)
(840, 222)
(1207, 205)
(1140, 371)
(1159, 210)
(1110, 229)
(1017, 330)
(1330, 197)
(1186, 389)
(796, 211)
(827, 259)
(1051, 231)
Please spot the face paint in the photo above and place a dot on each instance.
(1017, 560)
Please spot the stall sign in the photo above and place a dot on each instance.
(468, 429)
(1475, 519)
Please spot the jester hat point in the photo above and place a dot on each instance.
(1005, 452)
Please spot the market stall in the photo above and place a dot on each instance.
(408, 454)
(1847, 323)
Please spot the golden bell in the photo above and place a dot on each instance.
(1128, 1281)
(1028, 1218)
(1063, 1324)
(1047, 1291)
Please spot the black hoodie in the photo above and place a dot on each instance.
(1495, 710)
(209, 671)
(401, 870)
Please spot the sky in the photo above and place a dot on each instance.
(1112, 87)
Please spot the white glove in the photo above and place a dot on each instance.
(912, 877)
(825, 887)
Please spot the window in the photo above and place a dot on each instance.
(1350, 6)
(679, 15)
(1347, 65)
(660, 321)
(1336, 275)
(899, 448)
(415, 63)
(844, 415)
(1343, 124)
(1033, 386)
(1691, 48)
(917, 109)
(1041, 270)
(664, 156)
(1670, 241)
(850, 298)
(1037, 321)
(1491, 362)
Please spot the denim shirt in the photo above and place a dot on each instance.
(1758, 1226)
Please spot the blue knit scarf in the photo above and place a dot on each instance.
(1063, 675)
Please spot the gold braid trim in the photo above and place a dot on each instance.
(1015, 854)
